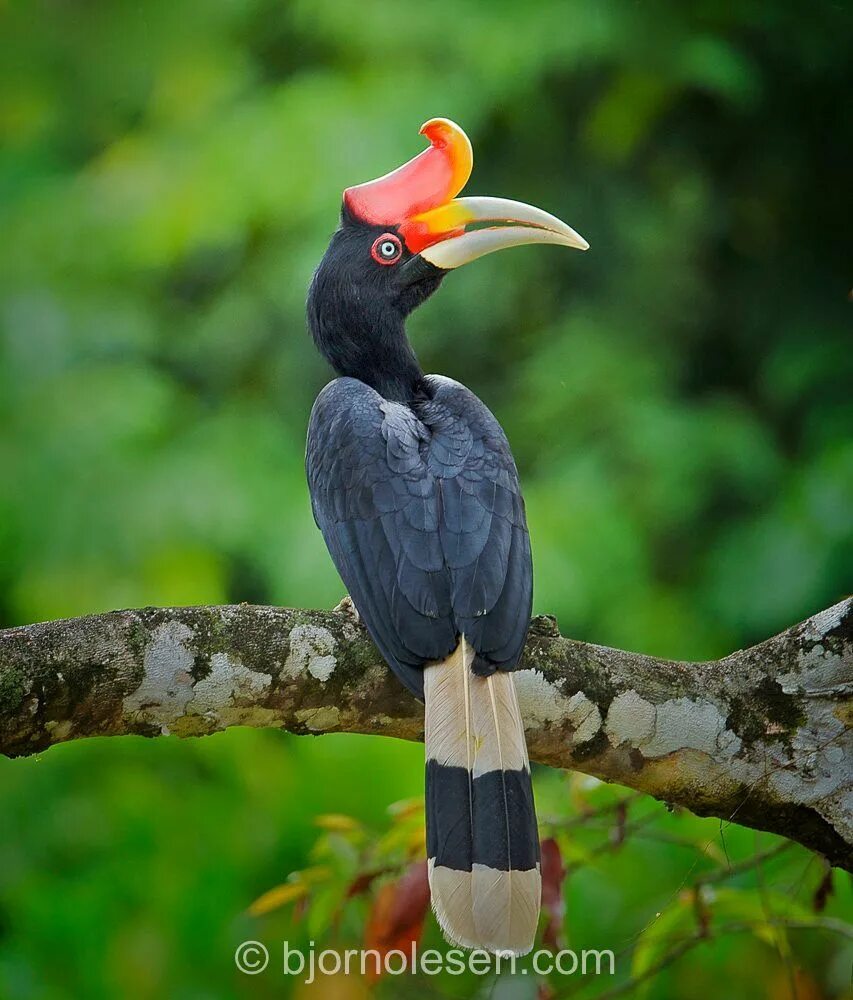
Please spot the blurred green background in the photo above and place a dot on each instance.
(678, 401)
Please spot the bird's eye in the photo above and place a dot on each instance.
(387, 249)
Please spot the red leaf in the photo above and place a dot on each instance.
(553, 874)
(397, 917)
(823, 892)
(617, 834)
(299, 909)
(360, 885)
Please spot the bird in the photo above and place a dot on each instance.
(415, 490)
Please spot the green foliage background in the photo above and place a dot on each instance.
(678, 401)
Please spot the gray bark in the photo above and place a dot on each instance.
(761, 737)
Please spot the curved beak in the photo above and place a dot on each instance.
(519, 224)
(419, 198)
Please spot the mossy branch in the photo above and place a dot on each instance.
(761, 737)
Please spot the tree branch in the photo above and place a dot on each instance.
(761, 737)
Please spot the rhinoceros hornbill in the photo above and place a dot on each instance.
(415, 490)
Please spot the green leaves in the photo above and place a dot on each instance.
(709, 913)
(383, 876)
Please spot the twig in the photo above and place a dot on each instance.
(829, 924)
(722, 874)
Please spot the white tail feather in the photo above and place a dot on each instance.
(447, 699)
(474, 722)
(506, 908)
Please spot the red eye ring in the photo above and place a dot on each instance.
(386, 249)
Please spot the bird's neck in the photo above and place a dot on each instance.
(376, 352)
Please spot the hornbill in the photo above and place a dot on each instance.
(415, 490)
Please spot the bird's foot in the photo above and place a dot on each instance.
(347, 608)
(544, 625)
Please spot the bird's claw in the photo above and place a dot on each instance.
(346, 607)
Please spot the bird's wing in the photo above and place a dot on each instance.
(482, 527)
(425, 522)
(377, 504)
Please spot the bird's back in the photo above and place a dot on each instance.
(421, 509)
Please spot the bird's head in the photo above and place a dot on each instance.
(399, 236)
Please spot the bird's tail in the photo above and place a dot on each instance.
(482, 842)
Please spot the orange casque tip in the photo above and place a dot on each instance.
(408, 196)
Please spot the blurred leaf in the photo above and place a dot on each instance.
(553, 873)
(397, 916)
(338, 823)
(757, 908)
(275, 898)
(673, 925)
(406, 808)
(626, 114)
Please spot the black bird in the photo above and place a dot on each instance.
(415, 490)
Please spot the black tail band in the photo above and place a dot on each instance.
(502, 802)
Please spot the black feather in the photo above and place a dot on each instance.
(421, 510)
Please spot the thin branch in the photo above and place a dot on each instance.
(687, 944)
(723, 874)
(590, 816)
